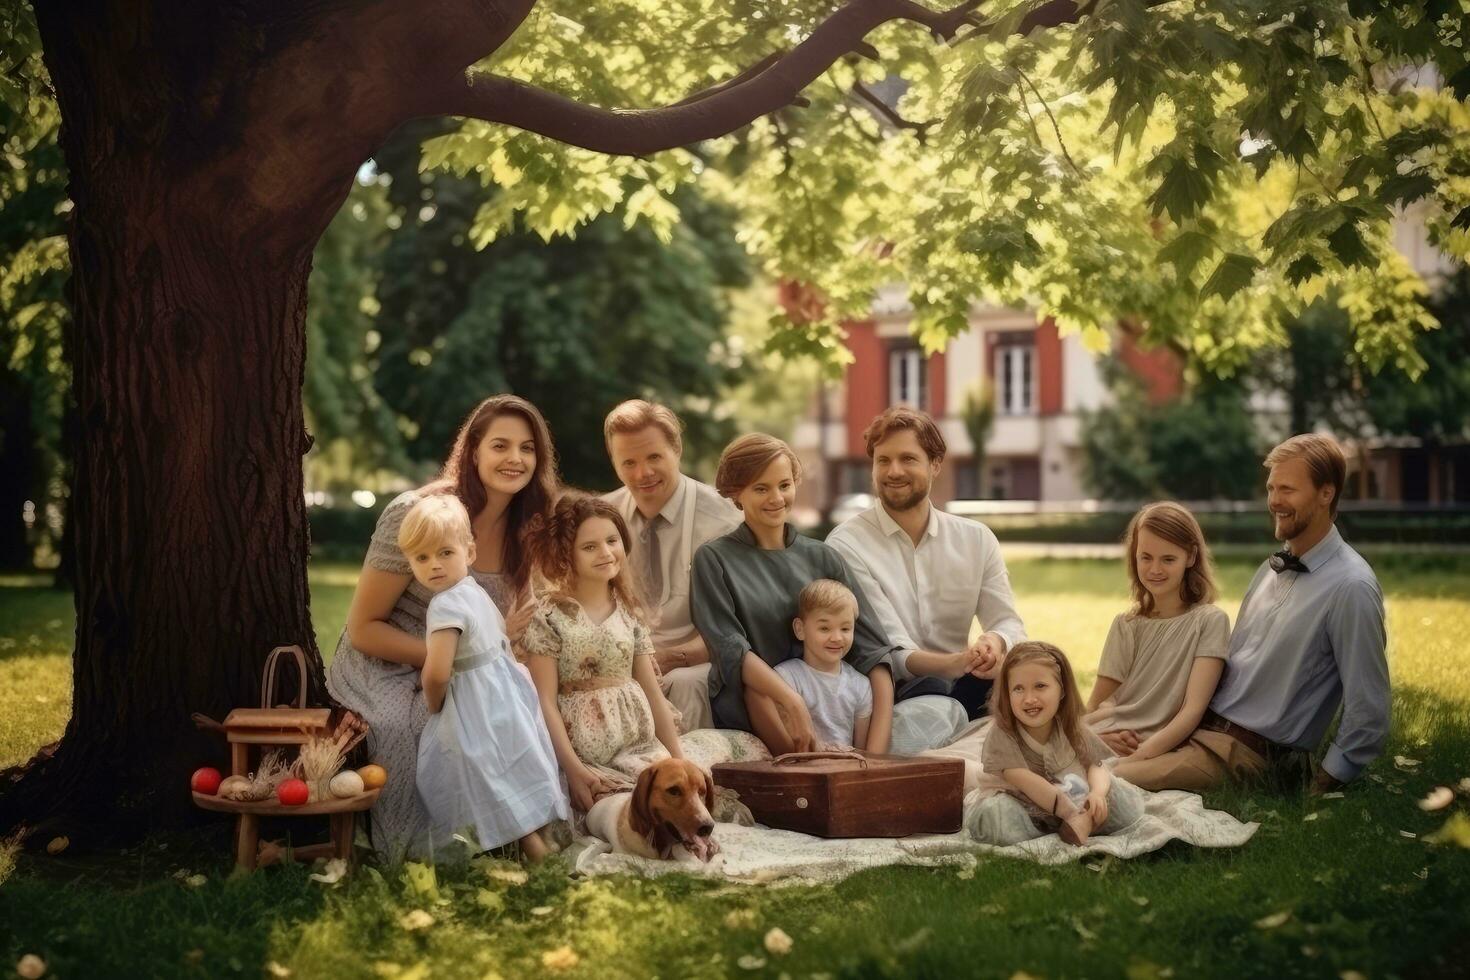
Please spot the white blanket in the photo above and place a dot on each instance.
(763, 854)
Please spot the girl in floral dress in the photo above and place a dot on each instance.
(591, 655)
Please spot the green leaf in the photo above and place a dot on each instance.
(1233, 274)
(1186, 251)
(1347, 245)
(1302, 269)
(1407, 188)
(1182, 192)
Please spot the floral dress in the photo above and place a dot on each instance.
(606, 713)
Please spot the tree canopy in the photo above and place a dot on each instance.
(1204, 168)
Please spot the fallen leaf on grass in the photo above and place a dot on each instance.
(1309, 817)
(57, 845)
(1463, 785)
(277, 970)
(487, 899)
(541, 910)
(1456, 832)
(965, 874)
(1023, 975)
(332, 873)
(416, 920)
(196, 881)
(1335, 795)
(750, 962)
(1404, 762)
(1351, 975)
(777, 942)
(1422, 874)
(1273, 920)
(561, 958)
(1438, 798)
(31, 967)
(1139, 900)
(1409, 834)
(740, 919)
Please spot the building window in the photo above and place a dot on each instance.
(1014, 379)
(908, 379)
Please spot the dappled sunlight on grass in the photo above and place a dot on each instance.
(1326, 886)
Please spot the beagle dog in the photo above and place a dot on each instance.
(668, 809)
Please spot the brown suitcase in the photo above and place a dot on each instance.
(850, 794)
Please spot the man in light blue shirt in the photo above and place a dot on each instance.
(1309, 638)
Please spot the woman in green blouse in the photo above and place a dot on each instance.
(743, 599)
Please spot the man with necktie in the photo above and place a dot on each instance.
(1309, 639)
(669, 515)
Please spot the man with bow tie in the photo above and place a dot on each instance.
(1309, 638)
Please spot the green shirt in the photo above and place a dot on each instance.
(743, 599)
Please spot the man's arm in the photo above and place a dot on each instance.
(996, 606)
(1355, 628)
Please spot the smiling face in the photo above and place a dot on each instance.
(1160, 565)
(902, 471)
(647, 465)
(1035, 691)
(826, 635)
(768, 500)
(506, 456)
(597, 552)
(438, 565)
(1297, 505)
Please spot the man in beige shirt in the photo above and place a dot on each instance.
(669, 516)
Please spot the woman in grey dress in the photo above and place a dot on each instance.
(503, 469)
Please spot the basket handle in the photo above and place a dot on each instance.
(788, 758)
(268, 680)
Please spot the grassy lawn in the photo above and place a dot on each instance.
(1326, 887)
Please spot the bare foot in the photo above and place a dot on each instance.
(533, 848)
(1076, 828)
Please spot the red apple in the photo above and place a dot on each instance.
(292, 792)
(205, 781)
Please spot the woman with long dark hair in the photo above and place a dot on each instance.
(503, 469)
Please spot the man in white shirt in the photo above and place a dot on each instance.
(669, 516)
(928, 574)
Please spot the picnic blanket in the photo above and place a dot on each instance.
(763, 854)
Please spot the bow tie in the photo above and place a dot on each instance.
(1285, 561)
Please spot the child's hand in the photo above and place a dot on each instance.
(965, 662)
(1096, 806)
(586, 787)
(1122, 742)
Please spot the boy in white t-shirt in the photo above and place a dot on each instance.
(839, 698)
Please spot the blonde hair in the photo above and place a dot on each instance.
(435, 519)
(746, 458)
(822, 595)
(635, 415)
(1176, 525)
(1324, 460)
(1069, 712)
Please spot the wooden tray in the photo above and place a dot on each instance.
(272, 807)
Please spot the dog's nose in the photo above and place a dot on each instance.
(705, 829)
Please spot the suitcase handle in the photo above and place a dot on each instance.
(790, 757)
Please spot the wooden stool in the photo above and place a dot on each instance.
(251, 853)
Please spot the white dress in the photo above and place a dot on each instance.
(485, 760)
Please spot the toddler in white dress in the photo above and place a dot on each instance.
(485, 760)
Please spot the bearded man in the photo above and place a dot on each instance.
(1309, 639)
(928, 574)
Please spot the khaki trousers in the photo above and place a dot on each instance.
(1205, 761)
(687, 689)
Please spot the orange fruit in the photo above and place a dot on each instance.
(373, 776)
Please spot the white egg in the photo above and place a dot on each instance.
(346, 784)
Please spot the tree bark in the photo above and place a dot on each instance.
(188, 347)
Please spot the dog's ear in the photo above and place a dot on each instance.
(640, 816)
(709, 790)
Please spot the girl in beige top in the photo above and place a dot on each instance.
(1164, 657)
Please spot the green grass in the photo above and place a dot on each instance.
(1358, 894)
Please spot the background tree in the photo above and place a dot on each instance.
(575, 324)
(1205, 445)
(977, 412)
(207, 155)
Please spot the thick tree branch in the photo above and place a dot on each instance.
(760, 90)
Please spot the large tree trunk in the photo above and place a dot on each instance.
(188, 347)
